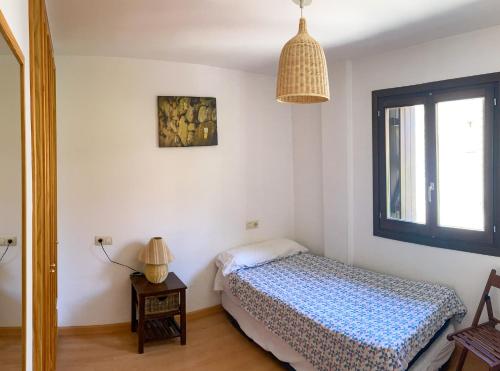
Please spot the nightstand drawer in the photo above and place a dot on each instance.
(162, 304)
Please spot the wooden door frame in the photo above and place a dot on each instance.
(44, 177)
(11, 41)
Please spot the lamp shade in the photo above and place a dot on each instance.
(302, 71)
(156, 252)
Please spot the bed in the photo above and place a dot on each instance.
(316, 313)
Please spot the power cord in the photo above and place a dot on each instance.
(9, 242)
(111, 260)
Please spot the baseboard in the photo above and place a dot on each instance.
(93, 329)
(125, 326)
(200, 313)
(10, 331)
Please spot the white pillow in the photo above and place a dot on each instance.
(256, 254)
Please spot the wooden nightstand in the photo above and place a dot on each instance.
(156, 306)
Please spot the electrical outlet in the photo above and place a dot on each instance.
(106, 240)
(253, 224)
(4, 241)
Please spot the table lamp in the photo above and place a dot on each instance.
(156, 256)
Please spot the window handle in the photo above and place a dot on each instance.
(429, 191)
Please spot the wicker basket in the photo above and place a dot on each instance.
(162, 304)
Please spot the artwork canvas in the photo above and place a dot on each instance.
(187, 121)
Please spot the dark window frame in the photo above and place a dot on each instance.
(487, 242)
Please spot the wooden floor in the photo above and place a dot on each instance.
(472, 363)
(213, 344)
(11, 356)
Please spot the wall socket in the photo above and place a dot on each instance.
(4, 241)
(252, 224)
(106, 240)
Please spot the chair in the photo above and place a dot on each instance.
(481, 339)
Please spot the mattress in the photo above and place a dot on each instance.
(340, 317)
(432, 359)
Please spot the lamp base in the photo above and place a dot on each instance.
(156, 273)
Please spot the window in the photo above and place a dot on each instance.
(435, 148)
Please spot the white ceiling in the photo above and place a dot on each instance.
(248, 35)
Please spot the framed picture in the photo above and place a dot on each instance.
(187, 121)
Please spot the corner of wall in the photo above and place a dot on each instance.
(336, 131)
(350, 163)
(308, 177)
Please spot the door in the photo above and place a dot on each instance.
(44, 164)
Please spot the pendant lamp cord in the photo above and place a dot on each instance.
(301, 8)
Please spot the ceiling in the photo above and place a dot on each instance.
(248, 35)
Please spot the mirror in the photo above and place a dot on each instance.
(11, 208)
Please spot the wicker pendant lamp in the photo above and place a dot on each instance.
(302, 71)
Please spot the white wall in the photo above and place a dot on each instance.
(322, 176)
(114, 180)
(16, 14)
(307, 174)
(463, 55)
(10, 192)
(335, 125)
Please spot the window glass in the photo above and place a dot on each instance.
(405, 163)
(460, 163)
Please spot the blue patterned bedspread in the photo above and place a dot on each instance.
(344, 318)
